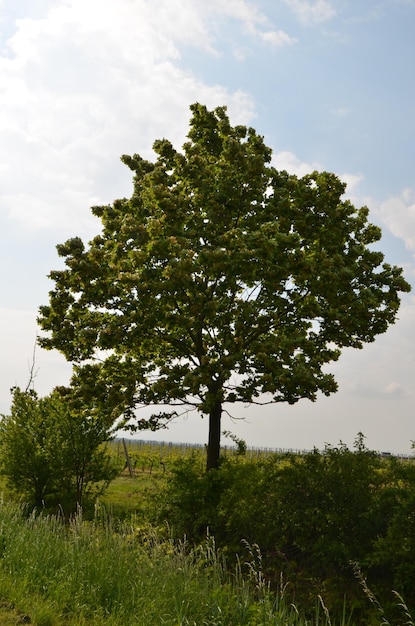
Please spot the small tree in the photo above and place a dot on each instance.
(52, 454)
(221, 280)
(23, 440)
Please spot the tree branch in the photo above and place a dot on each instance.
(32, 371)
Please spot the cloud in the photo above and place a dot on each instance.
(312, 12)
(87, 82)
(285, 160)
(398, 214)
(273, 38)
(362, 390)
(276, 38)
(341, 112)
(18, 333)
(288, 161)
(254, 21)
(372, 389)
(352, 190)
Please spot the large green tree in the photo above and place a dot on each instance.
(220, 280)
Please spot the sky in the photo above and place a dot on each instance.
(328, 83)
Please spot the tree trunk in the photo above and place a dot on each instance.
(213, 449)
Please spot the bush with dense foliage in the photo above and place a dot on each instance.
(313, 517)
(51, 454)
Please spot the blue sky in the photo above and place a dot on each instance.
(330, 85)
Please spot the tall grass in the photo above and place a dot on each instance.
(102, 572)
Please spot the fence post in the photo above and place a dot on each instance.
(127, 459)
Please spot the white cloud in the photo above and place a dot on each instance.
(244, 11)
(276, 38)
(18, 333)
(312, 12)
(273, 38)
(398, 214)
(341, 112)
(90, 81)
(352, 181)
(288, 161)
(382, 369)
(254, 22)
(240, 53)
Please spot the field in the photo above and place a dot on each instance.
(122, 564)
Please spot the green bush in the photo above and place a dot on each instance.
(324, 507)
(190, 502)
(312, 516)
(393, 557)
(52, 454)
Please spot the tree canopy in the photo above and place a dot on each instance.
(220, 280)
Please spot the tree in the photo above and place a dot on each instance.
(52, 454)
(220, 280)
(22, 443)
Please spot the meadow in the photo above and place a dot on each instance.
(157, 549)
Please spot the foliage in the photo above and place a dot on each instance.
(335, 491)
(241, 446)
(220, 280)
(191, 500)
(393, 558)
(51, 454)
(312, 515)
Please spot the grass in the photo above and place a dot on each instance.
(151, 464)
(94, 573)
(126, 495)
(112, 572)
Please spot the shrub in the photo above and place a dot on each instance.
(52, 454)
(311, 515)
